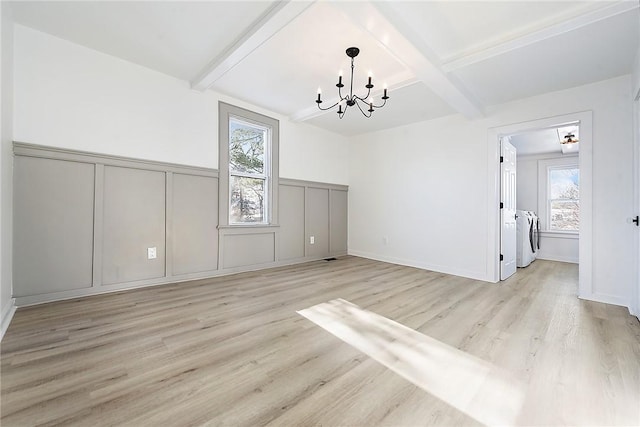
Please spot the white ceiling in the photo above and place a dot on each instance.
(544, 141)
(437, 57)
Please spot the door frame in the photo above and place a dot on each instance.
(634, 307)
(585, 118)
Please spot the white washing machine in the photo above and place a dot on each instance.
(528, 237)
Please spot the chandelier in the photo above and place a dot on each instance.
(351, 99)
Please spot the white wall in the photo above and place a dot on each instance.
(73, 97)
(424, 186)
(6, 166)
(553, 246)
(527, 183)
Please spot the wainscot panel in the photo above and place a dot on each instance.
(134, 221)
(338, 234)
(195, 219)
(317, 219)
(53, 225)
(248, 247)
(291, 243)
(85, 223)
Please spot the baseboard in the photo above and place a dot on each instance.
(8, 311)
(605, 299)
(571, 260)
(25, 301)
(476, 275)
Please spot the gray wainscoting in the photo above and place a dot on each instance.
(84, 223)
(194, 230)
(133, 221)
(317, 209)
(292, 220)
(53, 225)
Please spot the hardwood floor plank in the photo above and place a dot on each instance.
(233, 351)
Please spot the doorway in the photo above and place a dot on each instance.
(584, 120)
(547, 206)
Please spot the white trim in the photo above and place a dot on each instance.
(8, 311)
(560, 234)
(403, 43)
(585, 285)
(546, 156)
(571, 260)
(634, 306)
(265, 176)
(518, 42)
(544, 167)
(604, 298)
(471, 274)
(278, 16)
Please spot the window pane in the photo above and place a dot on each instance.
(247, 200)
(565, 215)
(564, 183)
(246, 147)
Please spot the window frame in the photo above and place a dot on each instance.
(264, 176)
(544, 191)
(550, 201)
(227, 113)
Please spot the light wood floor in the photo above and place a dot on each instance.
(233, 351)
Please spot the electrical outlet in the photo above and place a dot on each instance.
(312, 240)
(152, 253)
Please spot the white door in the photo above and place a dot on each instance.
(635, 304)
(507, 209)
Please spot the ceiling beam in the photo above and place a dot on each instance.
(265, 27)
(535, 36)
(396, 36)
(394, 83)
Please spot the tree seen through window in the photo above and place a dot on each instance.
(248, 175)
(564, 199)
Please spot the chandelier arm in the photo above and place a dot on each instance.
(365, 98)
(351, 99)
(361, 110)
(381, 105)
(328, 108)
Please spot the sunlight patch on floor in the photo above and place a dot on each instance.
(481, 390)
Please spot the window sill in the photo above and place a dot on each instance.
(236, 226)
(561, 234)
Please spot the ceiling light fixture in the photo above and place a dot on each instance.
(350, 100)
(569, 138)
(569, 143)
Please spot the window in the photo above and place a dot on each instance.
(248, 170)
(562, 196)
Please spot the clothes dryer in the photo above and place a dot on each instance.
(528, 237)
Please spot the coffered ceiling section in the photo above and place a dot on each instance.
(437, 57)
(173, 37)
